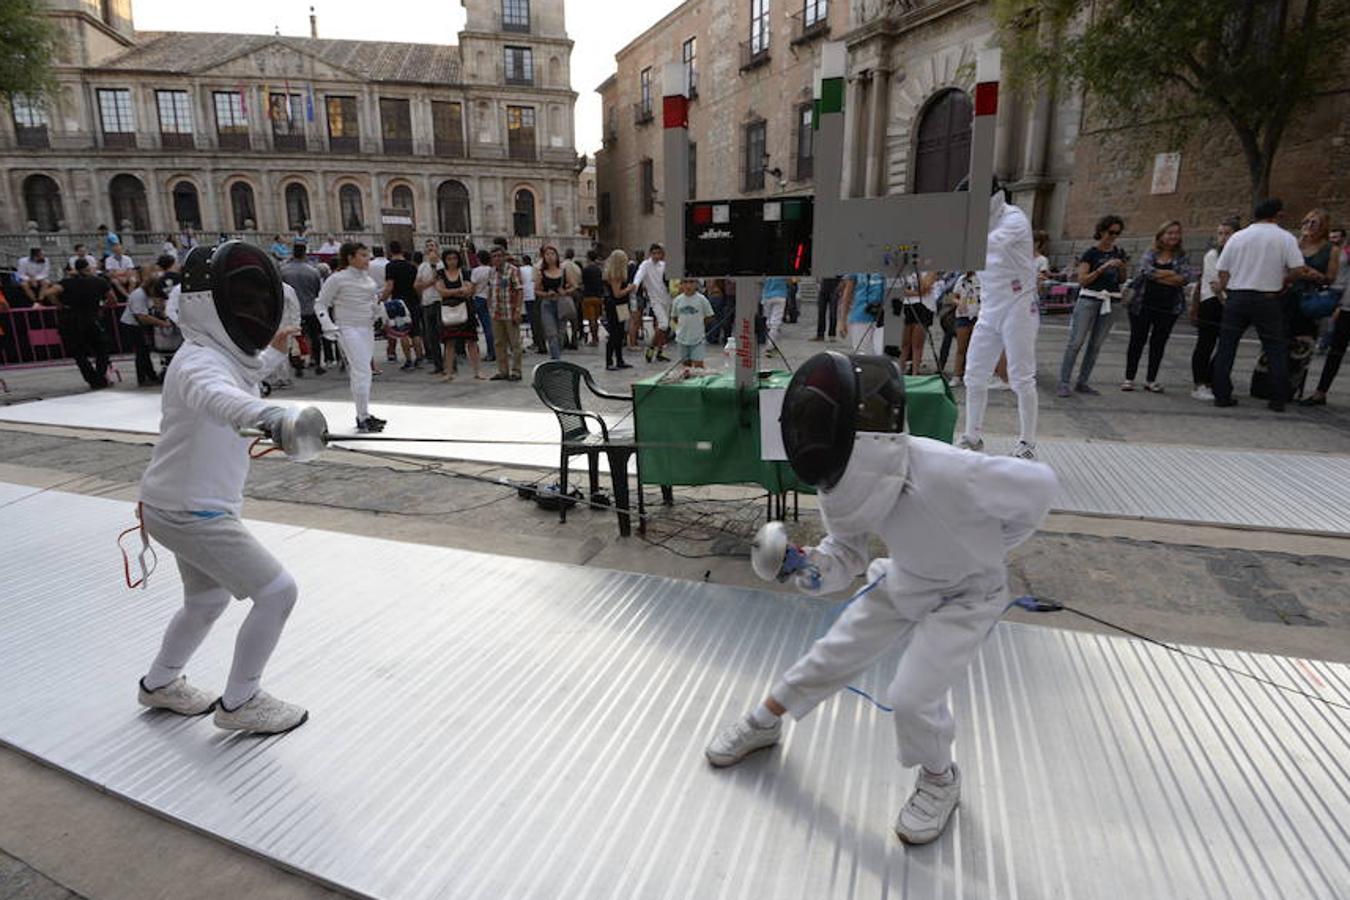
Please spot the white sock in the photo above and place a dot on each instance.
(947, 777)
(761, 717)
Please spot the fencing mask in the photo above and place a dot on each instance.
(238, 286)
(832, 397)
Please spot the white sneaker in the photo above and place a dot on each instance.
(739, 739)
(177, 696)
(925, 816)
(998, 384)
(1023, 450)
(263, 714)
(1202, 393)
(966, 443)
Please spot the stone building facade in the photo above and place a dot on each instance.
(752, 66)
(153, 132)
(911, 72)
(588, 200)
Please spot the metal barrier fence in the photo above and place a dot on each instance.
(30, 338)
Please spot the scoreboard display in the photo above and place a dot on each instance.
(724, 238)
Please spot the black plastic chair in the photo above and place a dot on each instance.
(558, 385)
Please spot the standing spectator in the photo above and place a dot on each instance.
(138, 323)
(651, 276)
(79, 302)
(1254, 267)
(457, 291)
(1163, 275)
(351, 294)
(1207, 313)
(532, 312)
(304, 280)
(1340, 338)
(550, 287)
(691, 313)
(864, 294)
(120, 270)
(570, 306)
(827, 308)
(920, 305)
(592, 295)
(481, 276)
(618, 287)
(81, 251)
(107, 239)
(506, 299)
(429, 287)
(34, 273)
(966, 293)
(1040, 244)
(1322, 259)
(637, 301)
(793, 311)
(1101, 275)
(400, 279)
(773, 300)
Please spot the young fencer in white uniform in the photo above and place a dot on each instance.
(1009, 319)
(947, 517)
(352, 295)
(230, 306)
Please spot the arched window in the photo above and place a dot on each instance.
(942, 152)
(452, 208)
(242, 209)
(129, 208)
(402, 197)
(297, 207)
(349, 204)
(187, 207)
(42, 201)
(523, 224)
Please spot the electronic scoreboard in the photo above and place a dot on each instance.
(726, 238)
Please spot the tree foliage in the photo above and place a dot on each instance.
(29, 39)
(1252, 64)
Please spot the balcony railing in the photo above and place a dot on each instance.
(804, 32)
(32, 137)
(120, 140)
(175, 140)
(642, 113)
(754, 54)
(288, 142)
(344, 144)
(519, 79)
(398, 146)
(233, 140)
(522, 150)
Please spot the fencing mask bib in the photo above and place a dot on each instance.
(831, 398)
(244, 287)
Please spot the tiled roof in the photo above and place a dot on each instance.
(189, 52)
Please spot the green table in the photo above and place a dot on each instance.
(709, 408)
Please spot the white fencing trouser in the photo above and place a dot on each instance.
(942, 634)
(774, 309)
(358, 345)
(218, 558)
(1012, 330)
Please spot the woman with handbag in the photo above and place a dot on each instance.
(1160, 296)
(458, 324)
(618, 286)
(1331, 291)
(1101, 275)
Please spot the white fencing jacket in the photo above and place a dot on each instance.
(1009, 273)
(351, 293)
(944, 515)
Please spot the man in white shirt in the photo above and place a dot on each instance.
(34, 272)
(82, 252)
(121, 271)
(426, 285)
(651, 275)
(526, 268)
(378, 262)
(1255, 266)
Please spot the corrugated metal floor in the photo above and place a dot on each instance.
(490, 728)
(1298, 492)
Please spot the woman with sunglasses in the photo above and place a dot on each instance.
(1101, 273)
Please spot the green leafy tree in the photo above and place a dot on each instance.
(29, 41)
(1252, 64)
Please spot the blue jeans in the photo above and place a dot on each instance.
(1086, 325)
(480, 309)
(548, 317)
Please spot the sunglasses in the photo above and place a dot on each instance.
(1114, 232)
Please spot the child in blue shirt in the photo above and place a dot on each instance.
(690, 314)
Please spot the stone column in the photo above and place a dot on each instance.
(880, 98)
(855, 135)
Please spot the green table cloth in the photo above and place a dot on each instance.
(709, 408)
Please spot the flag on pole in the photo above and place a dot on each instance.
(309, 104)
